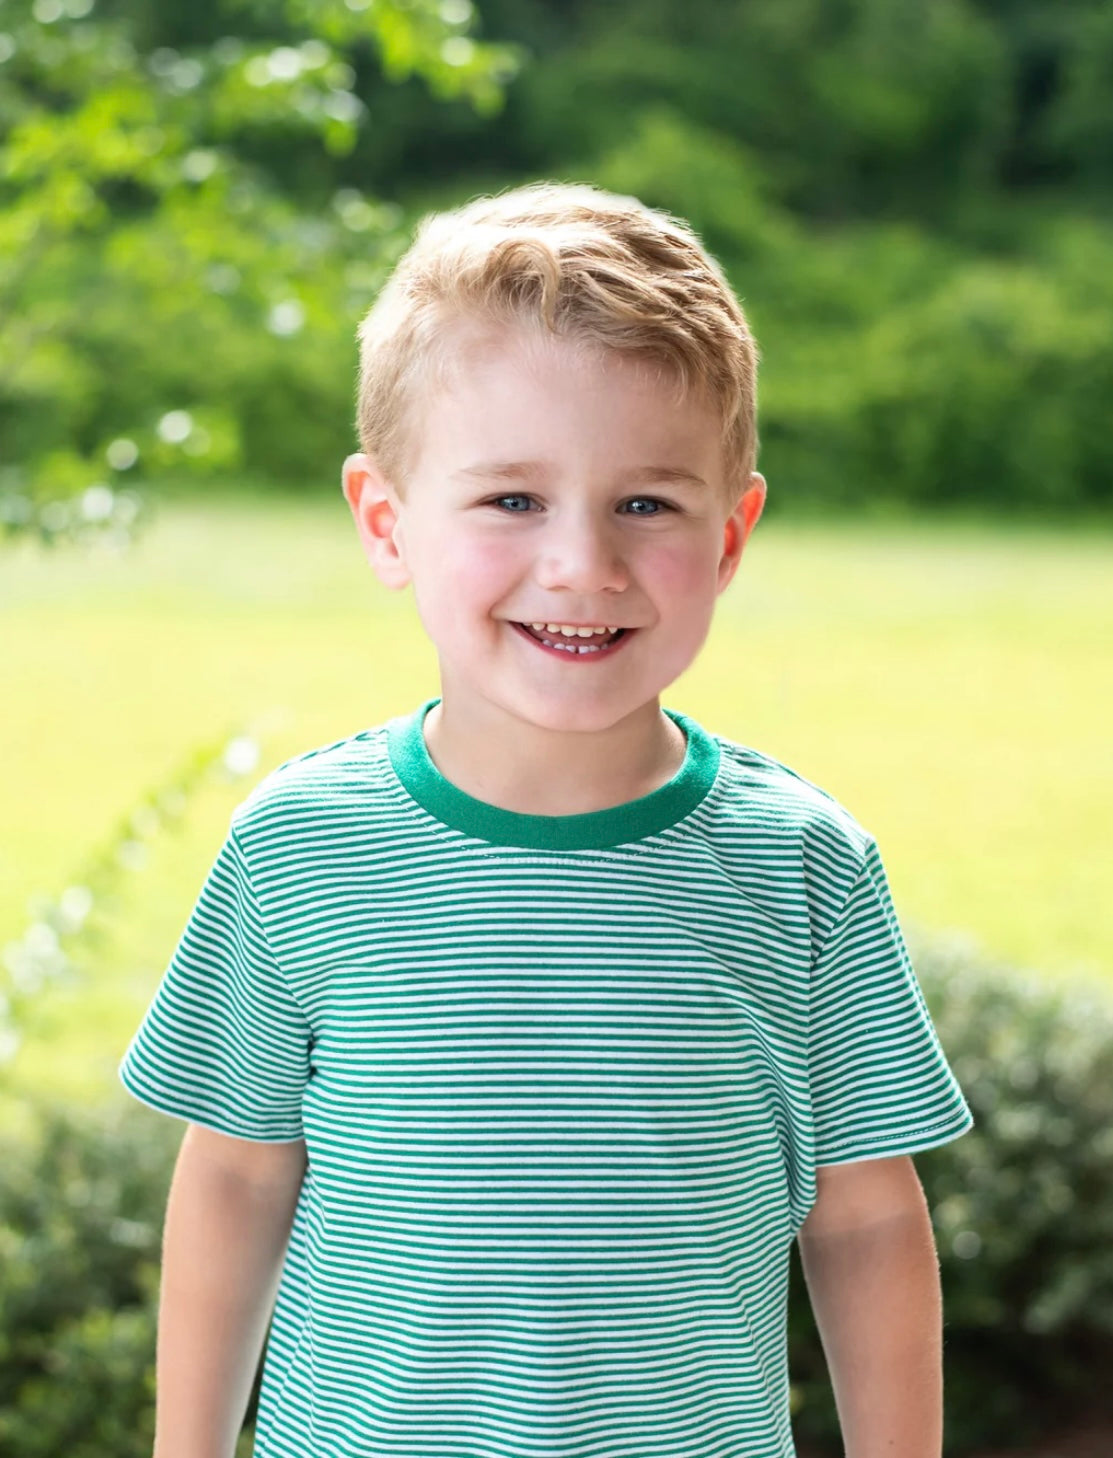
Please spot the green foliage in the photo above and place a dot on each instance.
(81, 1214)
(855, 106)
(1022, 1208)
(970, 382)
(171, 298)
(80, 1223)
(701, 175)
(996, 385)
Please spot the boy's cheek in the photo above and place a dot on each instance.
(683, 575)
(459, 583)
(475, 572)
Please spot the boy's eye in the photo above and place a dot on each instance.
(648, 501)
(520, 504)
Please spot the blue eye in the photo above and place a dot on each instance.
(658, 507)
(651, 501)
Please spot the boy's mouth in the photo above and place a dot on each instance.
(595, 646)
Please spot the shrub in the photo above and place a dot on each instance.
(81, 1211)
(80, 1217)
(1022, 1208)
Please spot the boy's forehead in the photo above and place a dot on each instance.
(501, 396)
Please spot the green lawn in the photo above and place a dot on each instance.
(952, 685)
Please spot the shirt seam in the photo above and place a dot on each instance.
(241, 850)
(817, 957)
(942, 1123)
(961, 1123)
(863, 866)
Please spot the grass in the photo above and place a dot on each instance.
(951, 684)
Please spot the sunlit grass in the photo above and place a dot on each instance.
(951, 685)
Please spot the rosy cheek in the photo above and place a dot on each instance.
(476, 571)
(676, 573)
(491, 557)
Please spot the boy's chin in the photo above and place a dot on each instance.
(580, 715)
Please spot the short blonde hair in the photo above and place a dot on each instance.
(589, 266)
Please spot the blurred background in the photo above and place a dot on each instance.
(913, 201)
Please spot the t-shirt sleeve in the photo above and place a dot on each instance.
(880, 1082)
(224, 1043)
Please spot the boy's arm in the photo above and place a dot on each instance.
(228, 1222)
(870, 1264)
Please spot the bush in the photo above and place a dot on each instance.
(993, 389)
(80, 1219)
(1022, 1208)
(81, 1212)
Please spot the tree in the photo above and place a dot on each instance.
(180, 272)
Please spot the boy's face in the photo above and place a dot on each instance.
(552, 485)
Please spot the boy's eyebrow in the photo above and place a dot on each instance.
(530, 470)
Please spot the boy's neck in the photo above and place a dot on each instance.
(532, 774)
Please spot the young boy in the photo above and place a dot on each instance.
(521, 1036)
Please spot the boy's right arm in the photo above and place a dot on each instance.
(228, 1220)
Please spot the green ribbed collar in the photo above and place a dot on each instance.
(617, 825)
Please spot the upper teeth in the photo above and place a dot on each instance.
(569, 632)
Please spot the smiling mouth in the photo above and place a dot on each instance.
(593, 647)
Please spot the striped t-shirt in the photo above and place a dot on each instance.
(564, 1082)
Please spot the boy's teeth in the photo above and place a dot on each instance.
(569, 632)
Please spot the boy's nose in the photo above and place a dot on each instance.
(582, 557)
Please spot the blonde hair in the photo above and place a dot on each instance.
(590, 266)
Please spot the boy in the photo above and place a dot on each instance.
(521, 1036)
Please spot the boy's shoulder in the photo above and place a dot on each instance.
(775, 800)
(327, 781)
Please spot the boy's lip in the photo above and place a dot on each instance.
(601, 652)
(564, 623)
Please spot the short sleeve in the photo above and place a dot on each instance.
(224, 1043)
(880, 1082)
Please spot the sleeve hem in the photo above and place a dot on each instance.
(910, 1142)
(179, 1110)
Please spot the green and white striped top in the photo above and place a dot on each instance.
(564, 1082)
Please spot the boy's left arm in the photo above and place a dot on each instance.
(869, 1259)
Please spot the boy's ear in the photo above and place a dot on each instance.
(738, 526)
(374, 504)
